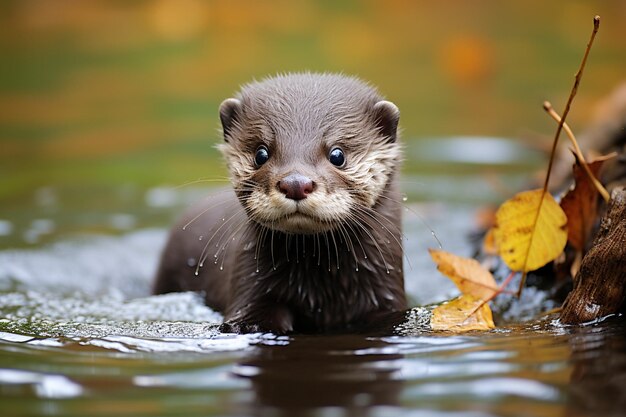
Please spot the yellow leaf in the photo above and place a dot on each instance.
(467, 274)
(529, 231)
(455, 315)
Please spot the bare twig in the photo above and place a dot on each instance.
(603, 192)
(577, 78)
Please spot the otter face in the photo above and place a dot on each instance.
(309, 153)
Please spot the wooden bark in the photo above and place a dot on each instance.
(600, 285)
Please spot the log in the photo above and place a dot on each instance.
(600, 284)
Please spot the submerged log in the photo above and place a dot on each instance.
(600, 284)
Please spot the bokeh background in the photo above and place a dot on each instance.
(108, 93)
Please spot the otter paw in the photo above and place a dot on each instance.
(277, 320)
(240, 327)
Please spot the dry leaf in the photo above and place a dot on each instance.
(455, 315)
(580, 203)
(467, 274)
(530, 233)
(489, 244)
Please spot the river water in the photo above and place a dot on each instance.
(80, 334)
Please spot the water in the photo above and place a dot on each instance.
(80, 333)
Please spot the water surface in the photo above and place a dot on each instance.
(80, 333)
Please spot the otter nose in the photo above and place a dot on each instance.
(296, 186)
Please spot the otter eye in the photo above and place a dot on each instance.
(261, 156)
(336, 157)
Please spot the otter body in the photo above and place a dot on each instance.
(309, 240)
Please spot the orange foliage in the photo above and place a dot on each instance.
(467, 60)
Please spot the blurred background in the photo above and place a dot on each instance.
(103, 102)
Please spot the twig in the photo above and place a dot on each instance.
(577, 78)
(501, 289)
(603, 192)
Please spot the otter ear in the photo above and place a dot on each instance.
(387, 116)
(230, 111)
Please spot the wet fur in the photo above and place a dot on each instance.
(332, 261)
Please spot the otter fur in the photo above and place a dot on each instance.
(309, 239)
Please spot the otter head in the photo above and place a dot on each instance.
(308, 153)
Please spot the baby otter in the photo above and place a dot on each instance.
(309, 240)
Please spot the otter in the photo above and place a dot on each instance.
(309, 239)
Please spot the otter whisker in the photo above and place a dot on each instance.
(204, 211)
(272, 247)
(231, 238)
(356, 236)
(419, 216)
(225, 180)
(372, 214)
(205, 252)
(319, 250)
(257, 250)
(375, 216)
(228, 230)
(365, 218)
(327, 249)
(358, 222)
(349, 244)
(332, 235)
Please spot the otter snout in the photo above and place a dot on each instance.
(296, 186)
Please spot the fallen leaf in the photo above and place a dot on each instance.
(529, 231)
(489, 243)
(455, 315)
(468, 275)
(580, 203)
(485, 217)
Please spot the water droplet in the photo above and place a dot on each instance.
(357, 269)
(184, 227)
(201, 237)
(223, 219)
(201, 264)
(405, 198)
(221, 267)
(196, 273)
(387, 271)
(364, 256)
(257, 271)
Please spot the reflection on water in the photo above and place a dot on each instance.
(324, 372)
(532, 371)
(80, 333)
(598, 381)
